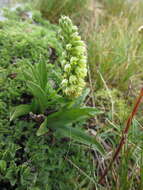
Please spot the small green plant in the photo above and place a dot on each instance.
(37, 81)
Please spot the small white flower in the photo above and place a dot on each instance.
(67, 68)
(73, 60)
(72, 79)
(64, 54)
(75, 37)
(67, 91)
(64, 82)
(68, 47)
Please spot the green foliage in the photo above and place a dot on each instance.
(112, 101)
(54, 9)
(30, 82)
(64, 118)
(39, 162)
(20, 110)
(37, 81)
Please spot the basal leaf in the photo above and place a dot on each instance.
(20, 110)
(82, 137)
(61, 119)
(65, 117)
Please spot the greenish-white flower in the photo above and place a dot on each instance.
(73, 79)
(64, 83)
(74, 59)
(67, 68)
(68, 47)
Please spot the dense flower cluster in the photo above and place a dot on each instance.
(74, 59)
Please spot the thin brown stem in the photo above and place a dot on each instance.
(124, 135)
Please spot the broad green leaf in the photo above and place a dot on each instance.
(82, 137)
(65, 117)
(20, 110)
(61, 119)
(43, 128)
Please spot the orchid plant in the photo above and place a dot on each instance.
(69, 94)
